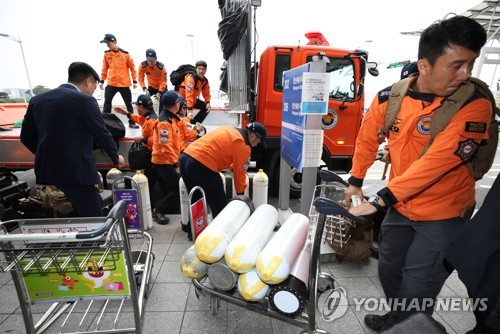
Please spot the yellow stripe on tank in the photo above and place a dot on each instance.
(267, 273)
(205, 246)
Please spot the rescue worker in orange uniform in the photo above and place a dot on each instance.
(147, 119)
(430, 197)
(188, 132)
(166, 148)
(192, 87)
(226, 147)
(156, 74)
(117, 67)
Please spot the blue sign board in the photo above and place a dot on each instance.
(293, 123)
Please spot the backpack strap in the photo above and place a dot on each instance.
(396, 96)
(448, 108)
(485, 90)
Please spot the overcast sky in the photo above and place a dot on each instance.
(58, 32)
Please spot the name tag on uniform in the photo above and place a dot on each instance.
(478, 127)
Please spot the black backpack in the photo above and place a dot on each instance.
(177, 76)
(115, 127)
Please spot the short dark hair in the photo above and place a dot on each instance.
(201, 63)
(456, 30)
(78, 72)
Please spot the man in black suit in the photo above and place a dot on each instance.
(59, 128)
(475, 254)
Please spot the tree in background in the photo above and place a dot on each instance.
(39, 89)
(4, 98)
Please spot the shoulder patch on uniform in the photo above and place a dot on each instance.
(144, 63)
(383, 95)
(160, 65)
(107, 51)
(466, 149)
(478, 127)
(123, 51)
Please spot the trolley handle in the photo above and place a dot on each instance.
(117, 212)
(326, 206)
(329, 176)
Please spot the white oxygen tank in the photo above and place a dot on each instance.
(251, 287)
(184, 198)
(260, 184)
(246, 193)
(192, 266)
(289, 298)
(145, 205)
(212, 242)
(278, 256)
(242, 252)
(112, 175)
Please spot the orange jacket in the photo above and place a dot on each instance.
(187, 132)
(223, 148)
(437, 185)
(115, 68)
(156, 76)
(166, 140)
(190, 91)
(147, 122)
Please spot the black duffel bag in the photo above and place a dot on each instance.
(139, 157)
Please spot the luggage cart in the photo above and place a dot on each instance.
(80, 271)
(141, 242)
(322, 210)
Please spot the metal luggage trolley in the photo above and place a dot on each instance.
(80, 271)
(141, 242)
(324, 211)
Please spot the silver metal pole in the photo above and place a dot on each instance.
(26, 67)
(18, 40)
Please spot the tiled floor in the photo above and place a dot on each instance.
(173, 307)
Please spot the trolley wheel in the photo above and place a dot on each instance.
(214, 304)
(325, 282)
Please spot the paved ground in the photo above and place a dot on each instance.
(173, 307)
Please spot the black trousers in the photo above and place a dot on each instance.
(168, 181)
(152, 91)
(109, 94)
(195, 174)
(411, 253)
(202, 114)
(85, 200)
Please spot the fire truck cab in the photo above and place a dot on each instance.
(345, 108)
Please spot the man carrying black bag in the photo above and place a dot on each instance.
(147, 119)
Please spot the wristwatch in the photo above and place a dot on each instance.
(374, 201)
